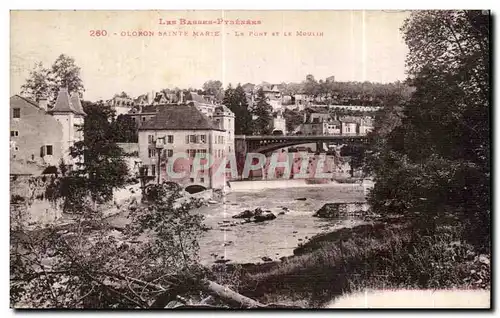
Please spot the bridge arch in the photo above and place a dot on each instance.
(273, 147)
(195, 188)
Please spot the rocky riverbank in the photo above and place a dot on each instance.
(267, 225)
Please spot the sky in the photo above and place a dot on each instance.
(350, 45)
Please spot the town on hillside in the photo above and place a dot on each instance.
(195, 122)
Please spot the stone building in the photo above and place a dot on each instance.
(42, 137)
(170, 141)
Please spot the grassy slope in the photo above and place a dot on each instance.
(382, 255)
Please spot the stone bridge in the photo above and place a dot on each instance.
(266, 144)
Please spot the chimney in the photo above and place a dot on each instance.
(43, 103)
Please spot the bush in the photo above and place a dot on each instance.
(16, 199)
(392, 256)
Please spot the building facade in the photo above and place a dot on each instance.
(170, 141)
(43, 136)
(279, 122)
(35, 135)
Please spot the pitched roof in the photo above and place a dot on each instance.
(29, 101)
(63, 104)
(76, 104)
(179, 117)
(193, 96)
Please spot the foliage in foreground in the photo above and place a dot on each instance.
(90, 265)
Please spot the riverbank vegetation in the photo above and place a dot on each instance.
(387, 254)
(430, 161)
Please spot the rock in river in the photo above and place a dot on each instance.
(244, 215)
(222, 261)
(335, 210)
(267, 259)
(301, 199)
(265, 216)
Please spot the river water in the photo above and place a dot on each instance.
(231, 240)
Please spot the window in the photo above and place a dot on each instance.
(49, 150)
(150, 139)
(203, 139)
(202, 179)
(191, 180)
(170, 152)
(143, 118)
(14, 133)
(151, 153)
(32, 157)
(192, 139)
(170, 139)
(16, 112)
(153, 170)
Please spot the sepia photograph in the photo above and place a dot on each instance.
(250, 159)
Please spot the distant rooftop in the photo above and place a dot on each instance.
(179, 117)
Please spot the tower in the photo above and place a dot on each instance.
(69, 113)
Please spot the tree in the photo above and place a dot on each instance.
(66, 73)
(102, 168)
(47, 82)
(124, 129)
(447, 119)
(311, 86)
(214, 88)
(293, 119)
(95, 268)
(262, 110)
(122, 95)
(236, 100)
(38, 84)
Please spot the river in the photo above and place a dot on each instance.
(243, 243)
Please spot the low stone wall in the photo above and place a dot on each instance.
(29, 208)
(38, 214)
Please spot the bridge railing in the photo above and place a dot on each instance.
(300, 137)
